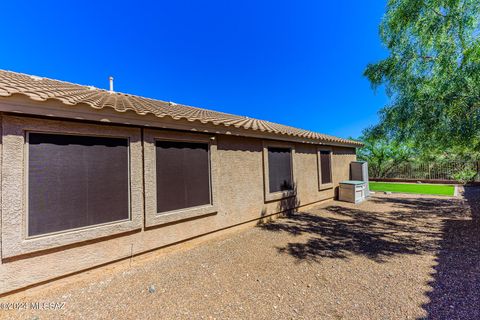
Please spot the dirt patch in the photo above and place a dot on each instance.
(391, 257)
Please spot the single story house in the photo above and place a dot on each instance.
(91, 176)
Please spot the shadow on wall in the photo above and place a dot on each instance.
(343, 231)
(287, 207)
(455, 286)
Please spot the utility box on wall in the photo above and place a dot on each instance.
(359, 172)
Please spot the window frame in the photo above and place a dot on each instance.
(15, 238)
(324, 186)
(279, 195)
(26, 181)
(154, 218)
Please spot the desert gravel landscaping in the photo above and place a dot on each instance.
(394, 256)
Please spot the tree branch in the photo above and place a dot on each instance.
(437, 12)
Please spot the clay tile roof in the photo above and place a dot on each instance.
(42, 89)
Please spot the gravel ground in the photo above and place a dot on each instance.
(391, 257)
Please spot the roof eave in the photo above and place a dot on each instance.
(21, 104)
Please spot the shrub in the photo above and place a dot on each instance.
(465, 175)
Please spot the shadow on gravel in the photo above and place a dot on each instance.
(456, 278)
(375, 235)
(448, 228)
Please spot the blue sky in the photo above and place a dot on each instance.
(294, 62)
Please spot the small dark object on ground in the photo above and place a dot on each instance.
(151, 289)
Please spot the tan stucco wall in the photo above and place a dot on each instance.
(239, 198)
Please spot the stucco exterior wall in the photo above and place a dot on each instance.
(239, 198)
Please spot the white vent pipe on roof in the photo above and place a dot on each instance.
(111, 83)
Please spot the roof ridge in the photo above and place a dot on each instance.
(30, 86)
(118, 92)
(51, 79)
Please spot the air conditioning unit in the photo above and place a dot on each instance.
(353, 191)
(359, 172)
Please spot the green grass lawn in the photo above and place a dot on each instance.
(418, 188)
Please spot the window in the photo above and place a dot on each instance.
(182, 175)
(279, 169)
(76, 181)
(325, 169)
(68, 182)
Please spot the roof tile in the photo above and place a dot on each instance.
(42, 89)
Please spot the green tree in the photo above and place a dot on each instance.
(382, 154)
(432, 73)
